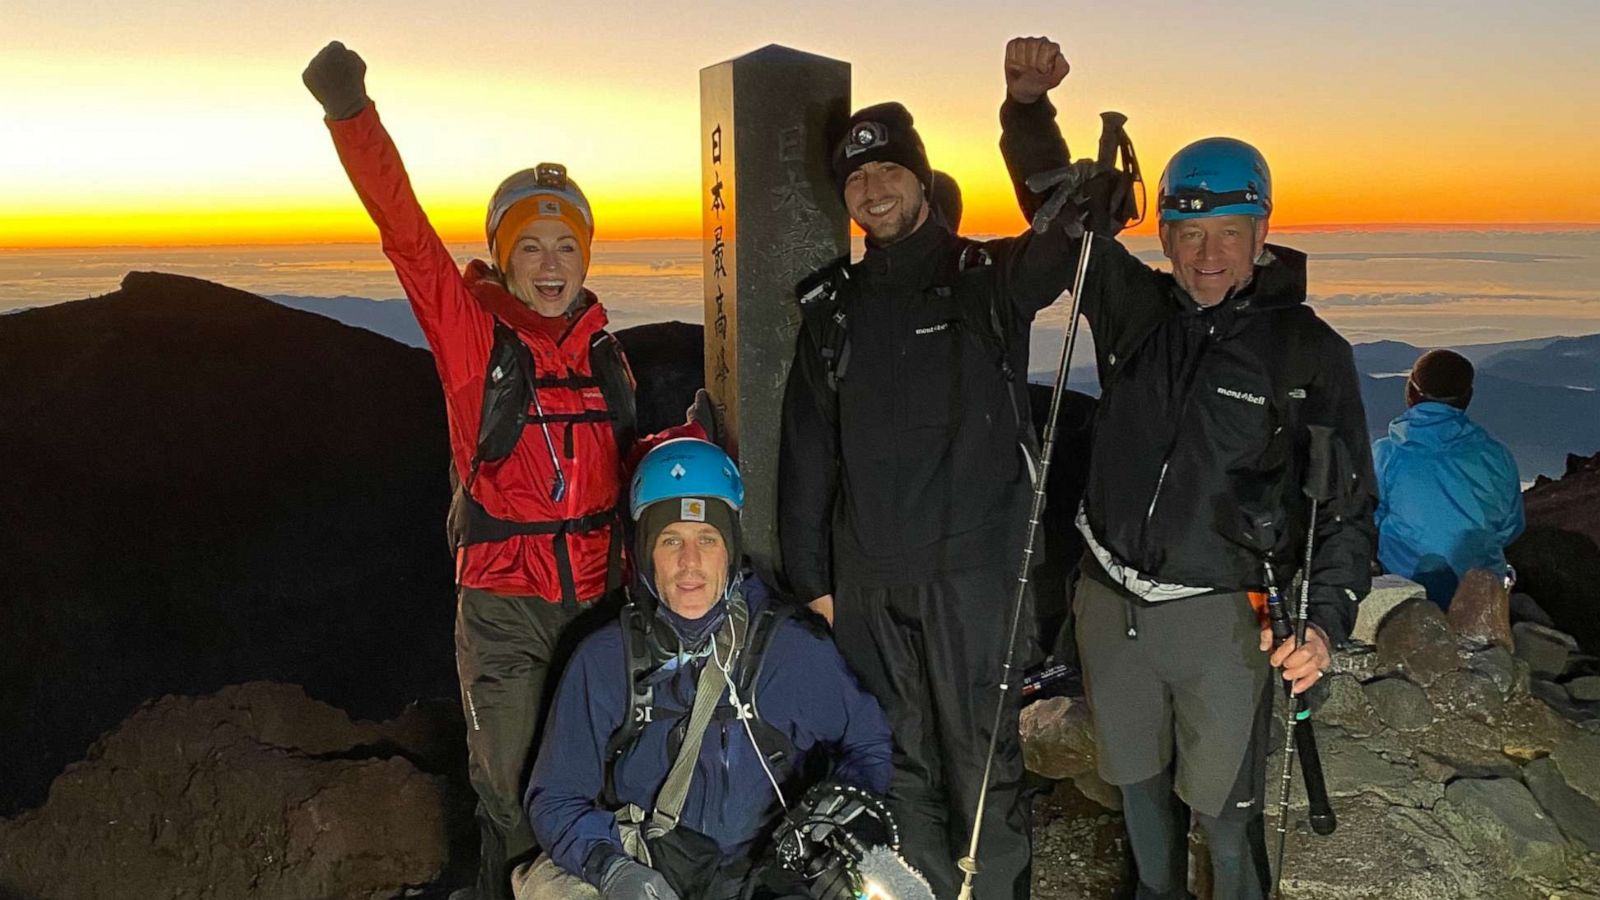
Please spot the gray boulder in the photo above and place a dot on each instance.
(1400, 704)
(1347, 707)
(1585, 689)
(1525, 609)
(1500, 819)
(1388, 591)
(1576, 815)
(1545, 650)
(1579, 763)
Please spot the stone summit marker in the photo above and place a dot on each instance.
(770, 216)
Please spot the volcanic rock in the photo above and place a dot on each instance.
(1400, 704)
(1577, 816)
(1346, 706)
(255, 791)
(1500, 819)
(1058, 738)
(1579, 763)
(1525, 609)
(1586, 689)
(1415, 641)
(1480, 612)
(1388, 591)
(1545, 650)
(1560, 569)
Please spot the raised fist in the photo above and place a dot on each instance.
(336, 76)
(1034, 65)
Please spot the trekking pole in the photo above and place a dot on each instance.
(1068, 184)
(969, 864)
(1300, 739)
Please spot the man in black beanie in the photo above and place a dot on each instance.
(904, 478)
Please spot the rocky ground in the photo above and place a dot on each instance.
(1459, 763)
(255, 791)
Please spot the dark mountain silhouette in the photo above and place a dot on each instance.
(204, 488)
(390, 318)
(1558, 558)
(1566, 362)
(1520, 395)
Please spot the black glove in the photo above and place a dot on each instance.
(630, 880)
(336, 76)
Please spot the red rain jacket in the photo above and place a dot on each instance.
(457, 311)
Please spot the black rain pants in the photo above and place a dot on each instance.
(933, 654)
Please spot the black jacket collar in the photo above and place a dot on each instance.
(910, 259)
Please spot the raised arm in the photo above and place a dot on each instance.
(1030, 142)
(457, 329)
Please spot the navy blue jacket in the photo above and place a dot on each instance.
(804, 690)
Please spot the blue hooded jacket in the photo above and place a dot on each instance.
(1449, 498)
(804, 690)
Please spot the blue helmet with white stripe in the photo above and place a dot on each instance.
(1216, 176)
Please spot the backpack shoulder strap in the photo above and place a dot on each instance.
(765, 626)
(609, 365)
(641, 694)
(822, 312)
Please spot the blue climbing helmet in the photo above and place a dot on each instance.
(685, 467)
(685, 480)
(1216, 176)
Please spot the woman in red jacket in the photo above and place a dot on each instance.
(537, 530)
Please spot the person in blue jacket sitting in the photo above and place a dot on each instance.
(635, 793)
(1449, 497)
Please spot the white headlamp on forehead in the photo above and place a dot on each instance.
(866, 136)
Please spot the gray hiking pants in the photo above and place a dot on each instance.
(509, 654)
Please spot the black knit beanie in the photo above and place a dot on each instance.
(1443, 376)
(657, 516)
(881, 133)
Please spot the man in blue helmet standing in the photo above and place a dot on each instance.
(678, 732)
(1210, 374)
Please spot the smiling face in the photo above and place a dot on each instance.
(1214, 255)
(886, 200)
(691, 567)
(546, 269)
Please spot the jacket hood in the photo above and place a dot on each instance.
(1430, 424)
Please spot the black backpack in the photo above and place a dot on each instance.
(644, 654)
(509, 382)
(822, 312)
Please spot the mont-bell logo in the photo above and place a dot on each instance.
(1246, 396)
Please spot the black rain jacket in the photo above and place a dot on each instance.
(912, 468)
(1201, 415)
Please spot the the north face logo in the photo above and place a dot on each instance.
(1246, 396)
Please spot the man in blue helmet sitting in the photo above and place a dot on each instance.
(677, 733)
(1210, 375)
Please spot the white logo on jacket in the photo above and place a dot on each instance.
(932, 329)
(1246, 396)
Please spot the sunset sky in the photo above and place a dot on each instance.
(185, 122)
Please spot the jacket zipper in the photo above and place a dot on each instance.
(1177, 433)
